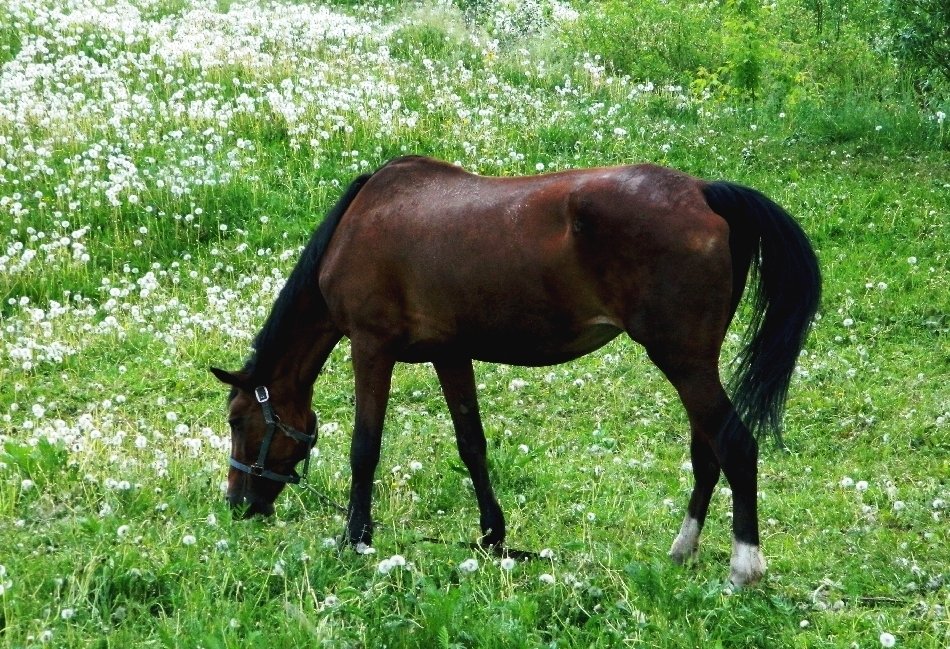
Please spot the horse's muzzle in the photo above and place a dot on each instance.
(248, 498)
(246, 507)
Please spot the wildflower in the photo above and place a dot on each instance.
(547, 553)
(188, 539)
(122, 530)
(887, 639)
(26, 484)
(469, 565)
(67, 613)
(861, 485)
(517, 384)
(362, 548)
(846, 482)
(546, 578)
(507, 563)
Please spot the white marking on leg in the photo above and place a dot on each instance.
(747, 565)
(686, 542)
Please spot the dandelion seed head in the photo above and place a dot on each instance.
(469, 565)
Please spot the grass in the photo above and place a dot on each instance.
(142, 241)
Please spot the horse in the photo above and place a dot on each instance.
(422, 261)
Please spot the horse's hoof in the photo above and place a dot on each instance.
(492, 539)
(686, 544)
(681, 558)
(747, 566)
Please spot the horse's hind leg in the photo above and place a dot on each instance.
(372, 372)
(705, 474)
(719, 440)
(458, 386)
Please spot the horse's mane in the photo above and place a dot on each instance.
(272, 341)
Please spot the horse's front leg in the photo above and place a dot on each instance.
(458, 385)
(373, 376)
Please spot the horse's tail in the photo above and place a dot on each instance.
(785, 298)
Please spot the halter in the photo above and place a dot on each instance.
(273, 423)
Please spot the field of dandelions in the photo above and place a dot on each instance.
(163, 161)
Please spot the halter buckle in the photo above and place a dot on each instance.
(261, 394)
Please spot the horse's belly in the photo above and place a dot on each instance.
(517, 346)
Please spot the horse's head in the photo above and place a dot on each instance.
(265, 445)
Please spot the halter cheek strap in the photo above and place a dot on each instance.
(274, 423)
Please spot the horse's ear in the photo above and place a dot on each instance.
(234, 380)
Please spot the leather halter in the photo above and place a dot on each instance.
(274, 423)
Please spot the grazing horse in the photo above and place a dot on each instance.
(422, 261)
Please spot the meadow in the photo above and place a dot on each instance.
(162, 162)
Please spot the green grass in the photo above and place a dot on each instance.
(113, 439)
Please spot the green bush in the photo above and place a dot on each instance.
(651, 41)
(921, 41)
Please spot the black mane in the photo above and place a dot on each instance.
(272, 341)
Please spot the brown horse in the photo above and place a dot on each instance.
(422, 261)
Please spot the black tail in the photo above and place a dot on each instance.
(785, 299)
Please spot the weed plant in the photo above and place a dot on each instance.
(163, 161)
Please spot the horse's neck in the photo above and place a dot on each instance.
(302, 359)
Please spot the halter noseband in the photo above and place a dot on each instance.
(273, 423)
